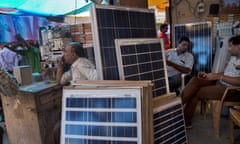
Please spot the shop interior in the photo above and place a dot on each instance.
(130, 102)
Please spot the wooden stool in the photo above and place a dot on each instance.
(234, 120)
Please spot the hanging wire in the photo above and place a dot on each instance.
(75, 17)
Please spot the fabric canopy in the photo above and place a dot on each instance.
(43, 7)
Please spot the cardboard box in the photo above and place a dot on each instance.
(23, 74)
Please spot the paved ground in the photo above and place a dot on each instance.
(202, 131)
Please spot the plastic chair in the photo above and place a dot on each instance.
(220, 59)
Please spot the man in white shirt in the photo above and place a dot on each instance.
(179, 61)
(212, 85)
(81, 67)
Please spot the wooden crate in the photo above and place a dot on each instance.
(31, 115)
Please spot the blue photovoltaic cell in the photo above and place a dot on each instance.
(101, 103)
(130, 117)
(124, 131)
(101, 116)
(124, 103)
(88, 130)
(85, 141)
(94, 130)
(88, 102)
(88, 116)
(119, 22)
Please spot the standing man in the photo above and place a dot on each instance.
(212, 85)
(179, 61)
(30, 52)
(162, 34)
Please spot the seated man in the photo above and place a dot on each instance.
(81, 69)
(179, 61)
(212, 85)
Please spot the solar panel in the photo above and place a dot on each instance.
(105, 114)
(111, 22)
(201, 37)
(103, 118)
(143, 59)
(168, 121)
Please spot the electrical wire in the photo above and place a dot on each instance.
(75, 17)
(177, 2)
(192, 9)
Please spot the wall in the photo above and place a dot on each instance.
(77, 20)
(186, 11)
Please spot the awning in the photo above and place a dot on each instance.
(43, 7)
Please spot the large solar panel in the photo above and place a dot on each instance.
(143, 59)
(111, 22)
(200, 34)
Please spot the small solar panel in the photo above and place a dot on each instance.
(101, 116)
(168, 121)
(111, 22)
(143, 59)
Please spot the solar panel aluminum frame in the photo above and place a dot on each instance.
(137, 41)
(142, 89)
(96, 39)
(96, 43)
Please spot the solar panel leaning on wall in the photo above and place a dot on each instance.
(143, 59)
(200, 35)
(111, 22)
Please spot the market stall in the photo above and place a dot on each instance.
(30, 111)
